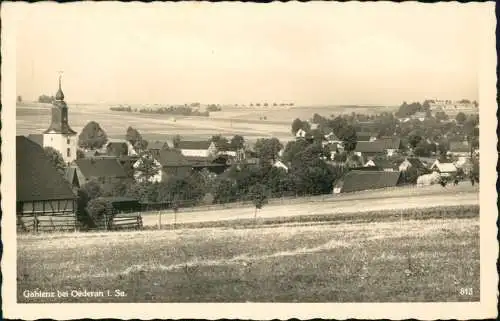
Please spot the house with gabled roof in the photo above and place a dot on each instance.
(360, 180)
(41, 190)
(201, 148)
(411, 162)
(459, 149)
(173, 163)
(385, 146)
(382, 164)
(444, 169)
(155, 147)
(107, 171)
(301, 133)
(119, 147)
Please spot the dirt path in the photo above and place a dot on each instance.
(429, 198)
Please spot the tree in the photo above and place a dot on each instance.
(349, 138)
(45, 99)
(443, 146)
(224, 191)
(258, 195)
(133, 135)
(221, 142)
(414, 138)
(92, 136)
(176, 141)
(237, 142)
(92, 189)
(267, 149)
(147, 168)
(101, 211)
(56, 159)
(296, 125)
(135, 138)
(292, 148)
(423, 149)
(441, 115)
(80, 154)
(460, 118)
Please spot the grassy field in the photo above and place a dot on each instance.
(35, 118)
(400, 198)
(394, 261)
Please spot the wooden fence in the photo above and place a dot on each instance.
(120, 221)
(46, 223)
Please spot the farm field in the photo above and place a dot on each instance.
(35, 118)
(408, 261)
(384, 200)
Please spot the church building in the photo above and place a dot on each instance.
(59, 135)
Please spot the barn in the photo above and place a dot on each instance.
(355, 181)
(45, 200)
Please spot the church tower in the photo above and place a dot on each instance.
(59, 135)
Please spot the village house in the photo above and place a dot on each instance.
(197, 148)
(119, 147)
(361, 180)
(366, 137)
(41, 190)
(459, 149)
(300, 133)
(411, 162)
(173, 163)
(379, 147)
(381, 164)
(464, 163)
(419, 116)
(279, 164)
(331, 138)
(155, 147)
(106, 171)
(447, 170)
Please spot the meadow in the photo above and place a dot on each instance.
(382, 261)
(32, 118)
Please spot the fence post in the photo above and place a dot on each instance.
(35, 223)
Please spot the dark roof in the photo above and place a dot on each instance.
(384, 163)
(37, 138)
(459, 147)
(379, 145)
(364, 180)
(194, 144)
(172, 158)
(158, 145)
(117, 148)
(100, 167)
(415, 162)
(36, 177)
(57, 124)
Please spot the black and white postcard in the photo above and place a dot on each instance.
(251, 161)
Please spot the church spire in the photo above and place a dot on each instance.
(60, 94)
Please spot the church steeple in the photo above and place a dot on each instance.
(59, 122)
(60, 94)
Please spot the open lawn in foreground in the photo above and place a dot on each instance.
(394, 261)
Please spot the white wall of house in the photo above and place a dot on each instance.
(65, 144)
(404, 165)
(279, 164)
(195, 152)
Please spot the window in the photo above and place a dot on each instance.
(68, 152)
(68, 141)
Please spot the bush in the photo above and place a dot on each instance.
(101, 212)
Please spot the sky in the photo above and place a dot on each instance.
(306, 53)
